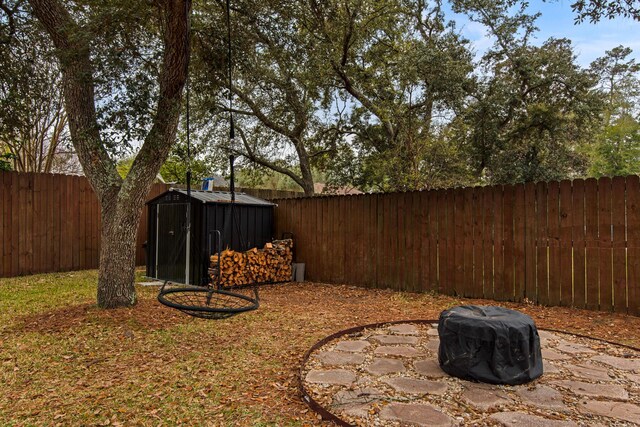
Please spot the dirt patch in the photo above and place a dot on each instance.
(147, 314)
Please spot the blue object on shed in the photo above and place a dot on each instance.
(208, 184)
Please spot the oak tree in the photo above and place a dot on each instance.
(100, 46)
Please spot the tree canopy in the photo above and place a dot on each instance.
(595, 10)
(389, 95)
(379, 95)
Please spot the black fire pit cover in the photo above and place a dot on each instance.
(489, 344)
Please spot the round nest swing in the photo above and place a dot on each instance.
(207, 303)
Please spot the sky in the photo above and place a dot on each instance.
(557, 20)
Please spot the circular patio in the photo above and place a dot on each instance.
(388, 374)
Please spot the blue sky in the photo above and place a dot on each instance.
(557, 20)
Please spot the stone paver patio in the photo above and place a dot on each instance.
(390, 376)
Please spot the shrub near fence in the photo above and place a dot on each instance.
(570, 243)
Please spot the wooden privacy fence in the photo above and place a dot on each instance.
(52, 223)
(570, 243)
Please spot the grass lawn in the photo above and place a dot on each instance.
(65, 362)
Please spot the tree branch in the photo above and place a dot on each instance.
(73, 53)
(260, 115)
(251, 155)
(172, 79)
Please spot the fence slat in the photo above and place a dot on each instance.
(310, 265)
(401, 243)
(353, 240)
(76, 222)
(24, 226)
(362, 222)
(373, 239)
(36, 266)
(488, 242)
(467, 243)
(519, 243)
(605, 244)
(382, 252)
(5, 198)
(417, 217)
(530, 241)
(508, 242)
(498, 244)
(578, 236)
(94, 207)
(383, 241)
(441, 214)
(65, 225)
(553, 221)
(15, 224)
(50, 247)
(591, 243)
(542, 245)
(457, 240)
(451, 263)
(565, 244)
(633, 236)
(477, 286)
(619, 243)
(433, 240)
(421, 241)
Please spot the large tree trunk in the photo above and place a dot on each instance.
(307, 176)
(120, 217)
(117, 257)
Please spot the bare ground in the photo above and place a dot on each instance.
(150, 365)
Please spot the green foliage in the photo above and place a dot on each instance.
(126, 67)
(402, 69)
(381, 95)
(174, 168)
(124, 166)
(5, 161)
(617, 150)
(256, 177)
(33, 123)
(595, 10)
(618, 82)
(277, 86)
(534, 108)
(386, 95)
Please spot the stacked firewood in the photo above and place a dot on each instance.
(270, 264)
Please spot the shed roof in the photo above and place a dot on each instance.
(223, 197)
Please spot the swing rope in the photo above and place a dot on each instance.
(208, 302)
(232, 134)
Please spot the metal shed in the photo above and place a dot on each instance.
(175, 255)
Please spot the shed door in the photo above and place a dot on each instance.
(171, 243)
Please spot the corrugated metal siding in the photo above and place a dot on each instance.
(223, 197)
(252, 226)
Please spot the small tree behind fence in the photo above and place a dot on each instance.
(569, 243)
